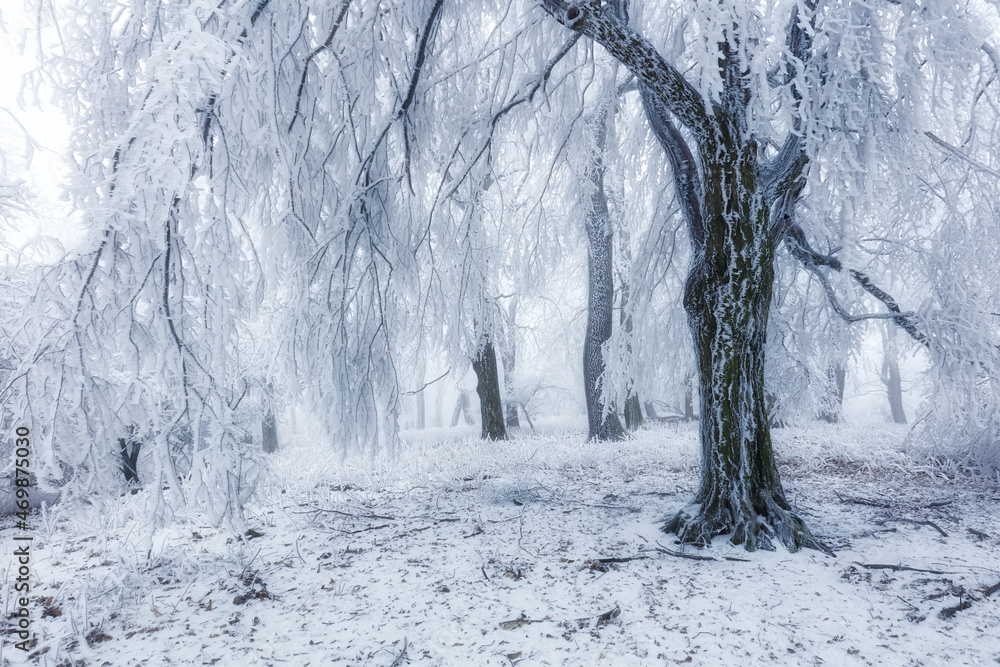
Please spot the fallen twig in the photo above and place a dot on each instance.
(316, 510)
(619, 559)
(863, 501)
(402, 655)
(948, 612)
(914, 522)
(670, 552)
(898, 568)
(962, 605)
(978, 533)
(940, 503)
(362, 530)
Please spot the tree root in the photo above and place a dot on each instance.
(749, 529)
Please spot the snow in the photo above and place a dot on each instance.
(462, 552)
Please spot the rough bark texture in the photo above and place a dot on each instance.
(488, 388)
(602, 423)
(728, 290)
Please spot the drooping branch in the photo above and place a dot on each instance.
(687, 182)
(641, 58)
(312, 55)
(795, 239)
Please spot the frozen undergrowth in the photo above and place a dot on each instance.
(459, 552)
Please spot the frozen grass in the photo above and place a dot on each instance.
(462, 552)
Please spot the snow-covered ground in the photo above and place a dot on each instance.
(459, 552)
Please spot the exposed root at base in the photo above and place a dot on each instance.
(749, 529)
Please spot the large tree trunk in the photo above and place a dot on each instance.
(488, 388)
(727, 298)
(727, 199)
(602, 423)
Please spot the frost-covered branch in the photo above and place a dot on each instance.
(799, 247)
(608, 29)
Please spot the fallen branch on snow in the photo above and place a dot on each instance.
(915, 523)
(898, 568)
(948, 612)
(677, 554)
(863, 501)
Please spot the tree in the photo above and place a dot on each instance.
(738, 182)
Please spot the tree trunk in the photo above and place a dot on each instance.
(488, 388)
(727, 298)
(890, 376)
(269, 425)
(689, 399)
(509, 358)
(602, 423)
(269, 432)
(462, 409)
(421, 402)
(129, 448)
(836, 379)
(633, 408)
(727, 198)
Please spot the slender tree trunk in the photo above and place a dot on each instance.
(689, 399)
(890, 376)
(269, 425)
(129, 448)
(421, 404)
(836, 379)
(509, 358)
(633, 408)
(462, 409)
(488, 388)
(602, 424)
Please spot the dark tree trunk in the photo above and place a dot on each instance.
(129, 448)
(728, 205)
(727, 298)
(602, 423)
(836, 379)
(488, 388)
(894, 388)
(689, 399)
(509, 358)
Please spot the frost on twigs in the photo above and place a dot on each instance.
(749, 527)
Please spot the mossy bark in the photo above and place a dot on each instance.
(727, 299)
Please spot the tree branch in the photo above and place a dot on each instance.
(687, 181)
(639, 56)
(795, 238)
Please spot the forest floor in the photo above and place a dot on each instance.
(459, 552)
